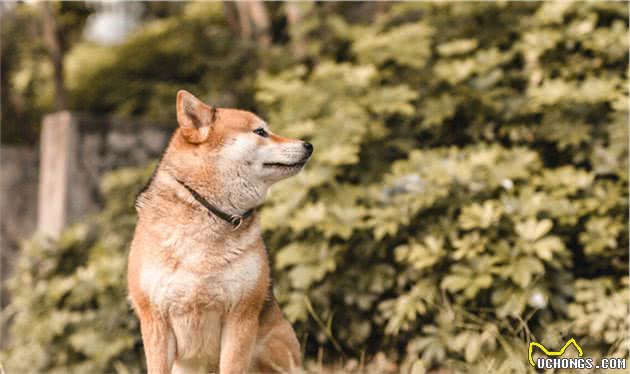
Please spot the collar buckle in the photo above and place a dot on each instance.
(236, 220)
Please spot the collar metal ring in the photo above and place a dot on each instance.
(236, 221)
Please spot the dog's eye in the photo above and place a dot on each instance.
(261, 132)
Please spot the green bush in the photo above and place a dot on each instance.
(68, 297)
(194, 50)
(468, 194)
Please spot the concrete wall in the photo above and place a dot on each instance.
(18, 209)
(75, 151)
(18, 200)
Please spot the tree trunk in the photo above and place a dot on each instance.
(243, 19)
(260, 19)
(51, 39)
(231, 17)
(254, 21)
(294, 16)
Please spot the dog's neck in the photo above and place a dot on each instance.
(233, 196)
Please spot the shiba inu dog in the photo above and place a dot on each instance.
(198, 275)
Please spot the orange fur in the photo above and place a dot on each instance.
(200, 288)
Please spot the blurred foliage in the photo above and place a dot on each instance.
(178, 46)
(193, 50)
(468, 193)
(27, 88)
(68, 297)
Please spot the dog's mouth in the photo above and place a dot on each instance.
(282, 165)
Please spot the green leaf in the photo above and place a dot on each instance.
(532, 230)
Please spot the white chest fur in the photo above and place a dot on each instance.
(197, 278)
(196, 303)
(181, 290)
(199, 268)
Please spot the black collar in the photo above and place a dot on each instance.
(233, 219)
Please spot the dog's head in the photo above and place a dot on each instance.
(234, 145)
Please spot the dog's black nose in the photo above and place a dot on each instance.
(309, 147)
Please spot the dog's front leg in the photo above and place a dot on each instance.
(159, 344)
(237, 343)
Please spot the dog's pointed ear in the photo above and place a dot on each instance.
(194, 117)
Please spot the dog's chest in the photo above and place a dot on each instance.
(183, 290)
(195, 286)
